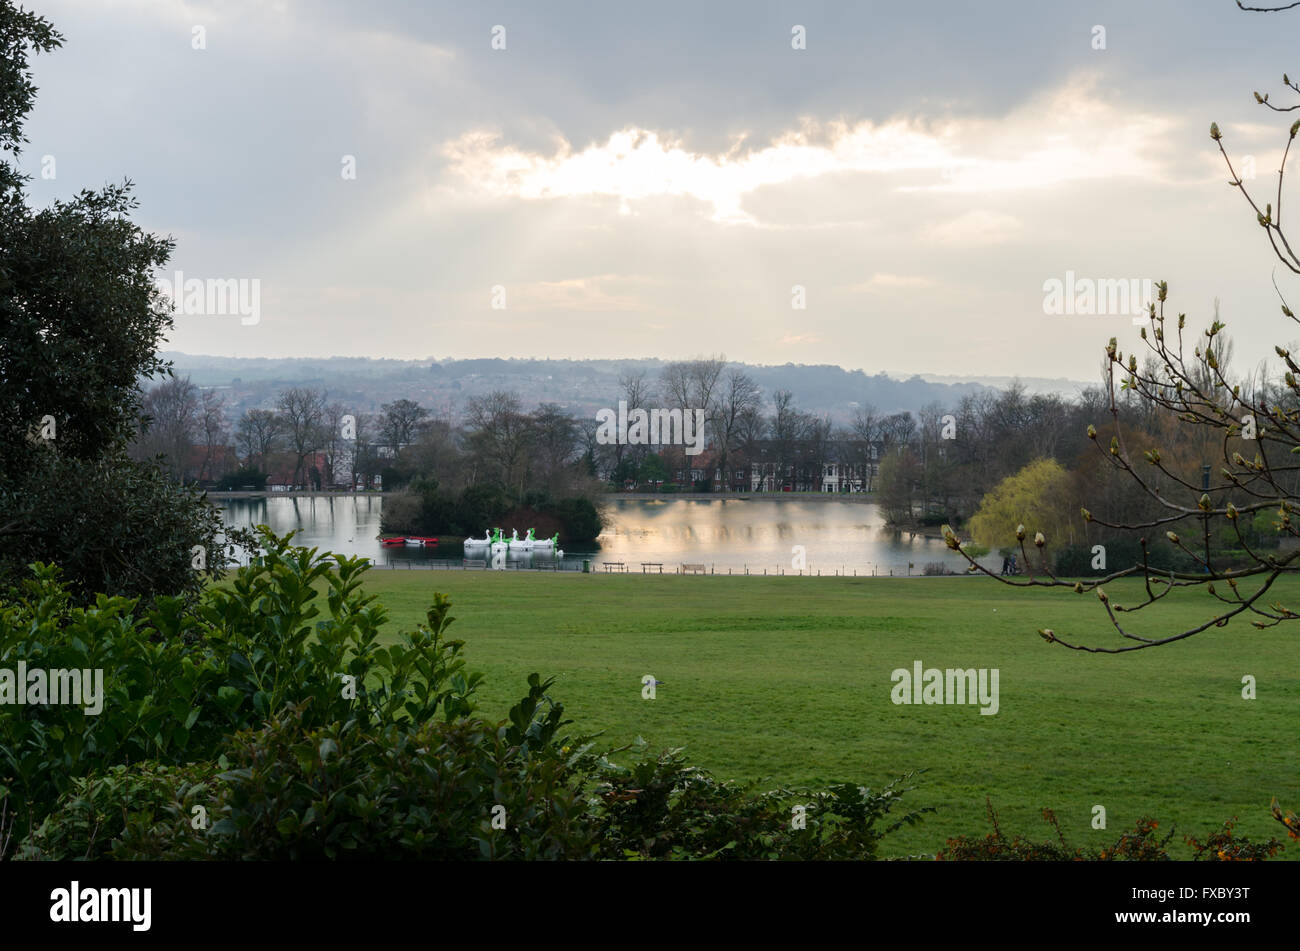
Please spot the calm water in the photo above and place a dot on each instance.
(722, 534)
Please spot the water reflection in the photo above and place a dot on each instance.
(731, 535)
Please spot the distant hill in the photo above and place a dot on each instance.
(583, 386)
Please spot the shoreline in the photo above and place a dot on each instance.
(302, 494)
(858, 498)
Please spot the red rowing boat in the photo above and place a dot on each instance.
(410, 541)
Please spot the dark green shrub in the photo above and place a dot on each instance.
(249, 477)
(426, 509)
(144, 811)
(935, 519)
(664, 808)
(1075, 561)
(400, 791)
(177, 679)
(156, 690)
(276, 647)
(579, 517)
(392, 478)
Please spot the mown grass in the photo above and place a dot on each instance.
(787, 680)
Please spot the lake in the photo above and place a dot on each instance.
(722, 534)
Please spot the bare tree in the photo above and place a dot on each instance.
(334, 447)
(258, 435)
(751, 428)
(637, 392)
(302, 409)
(436, 452)
(169, 424)
(740, 394)
(865, 433)
(499, 434)
(364, 462)
(896, 431)
(400, 424)
(556, 444)
(212, 428)
(787, 427)
(817, 453)
(692, 385)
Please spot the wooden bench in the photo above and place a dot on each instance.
(472, 563)
(615, 566)
(692, 569)
(647, 565)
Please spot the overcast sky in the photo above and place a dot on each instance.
(653, 179)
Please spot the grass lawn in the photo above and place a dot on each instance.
(787, 680)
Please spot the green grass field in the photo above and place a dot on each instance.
(787, 680)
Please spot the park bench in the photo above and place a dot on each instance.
(615, 566)
(647, 565)
(473, 563)
(692, 569)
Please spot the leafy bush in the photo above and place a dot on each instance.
(935, 519)
(1139, 845)
(579, 517)
(1075, 561)
(155, 690)
(178, 679)
(664, 808)
(1290, 821)
(417, 791)
(140, 811)
(392, 478)
(433, 791)
(113, 525)
(427, 509)
(271, 653)
(1226, 847)
(249, 477)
